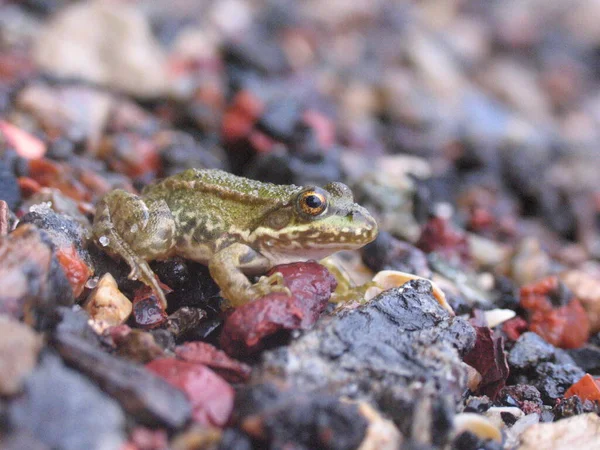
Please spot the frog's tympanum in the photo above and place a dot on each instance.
(238, 227)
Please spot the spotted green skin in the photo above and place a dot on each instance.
(235, 225)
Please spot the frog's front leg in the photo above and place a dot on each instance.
(126, 226)
(227, 269)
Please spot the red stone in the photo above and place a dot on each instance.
(204, 353)
(515, 327)
(147, 439)
(311, 286)
(587, 388)
(76, 270)
(440, 236)
(148, 312)
(211, 396)
(564, 326)
(26, 145)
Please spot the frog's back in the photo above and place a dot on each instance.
(208, 204)
(225, 185)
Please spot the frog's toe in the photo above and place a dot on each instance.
(271, 284)
(134, 274)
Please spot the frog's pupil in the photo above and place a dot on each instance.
(312, 201)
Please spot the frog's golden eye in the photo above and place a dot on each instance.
(312, 202)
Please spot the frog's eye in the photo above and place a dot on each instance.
(312, 202)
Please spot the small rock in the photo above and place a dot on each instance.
(523, 396)
(75, 112)
(499, 415)
(142, 394)
(389, 253)
(587, 289)
(279, 418)
(478, 425)
(26, 145)
(579, 432)
(587, 357)
(529, 351)
(19, 348)
(555, 313)
(65, 410)
(106, 304)
(311, 286)
(33, 280)
(514, 433)
(587, 388)
(137, 346)
(205, 353)
(211, 397)
(388, 279)
(9, 187)
(185, 320)
(105, 43)
(530, 262)
(401, 335)
(553, 380)
(573, 406)
(497, 317)
(382, 434)
(147, 309)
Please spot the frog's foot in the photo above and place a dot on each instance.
(140, 270)
(269, 285)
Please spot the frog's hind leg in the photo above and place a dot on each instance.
(127, 227)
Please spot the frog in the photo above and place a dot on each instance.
(240, 228)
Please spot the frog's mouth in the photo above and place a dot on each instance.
(282, 250)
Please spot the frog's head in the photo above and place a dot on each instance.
(313, 224)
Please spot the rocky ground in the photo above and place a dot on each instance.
(468, 128)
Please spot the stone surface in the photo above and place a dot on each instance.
(145, 396)
(399, 337)
(580, 432)
(32, 279)
(106, 43)
(63, 409)
(19, 348)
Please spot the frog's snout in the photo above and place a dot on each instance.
(363, 220)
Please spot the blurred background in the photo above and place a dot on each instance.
(486, 111)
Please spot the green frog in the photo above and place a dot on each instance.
(237, 226)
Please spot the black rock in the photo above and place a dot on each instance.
(233, 439)
(191, 283)
(573, 406)
(469, 441)
(388, 253)
(65, 410)
(280, 118)
(377, 350)
(587, 357)
(478, 404)
(421, 413)
(9, 187)
(522, 396)
(299, 420)
(21, 440)
(552, 380)
(62, 229)
(255, 53)
(281, 167)
(184, 152)
(530, 350)
(147, 397)
(32, 279)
